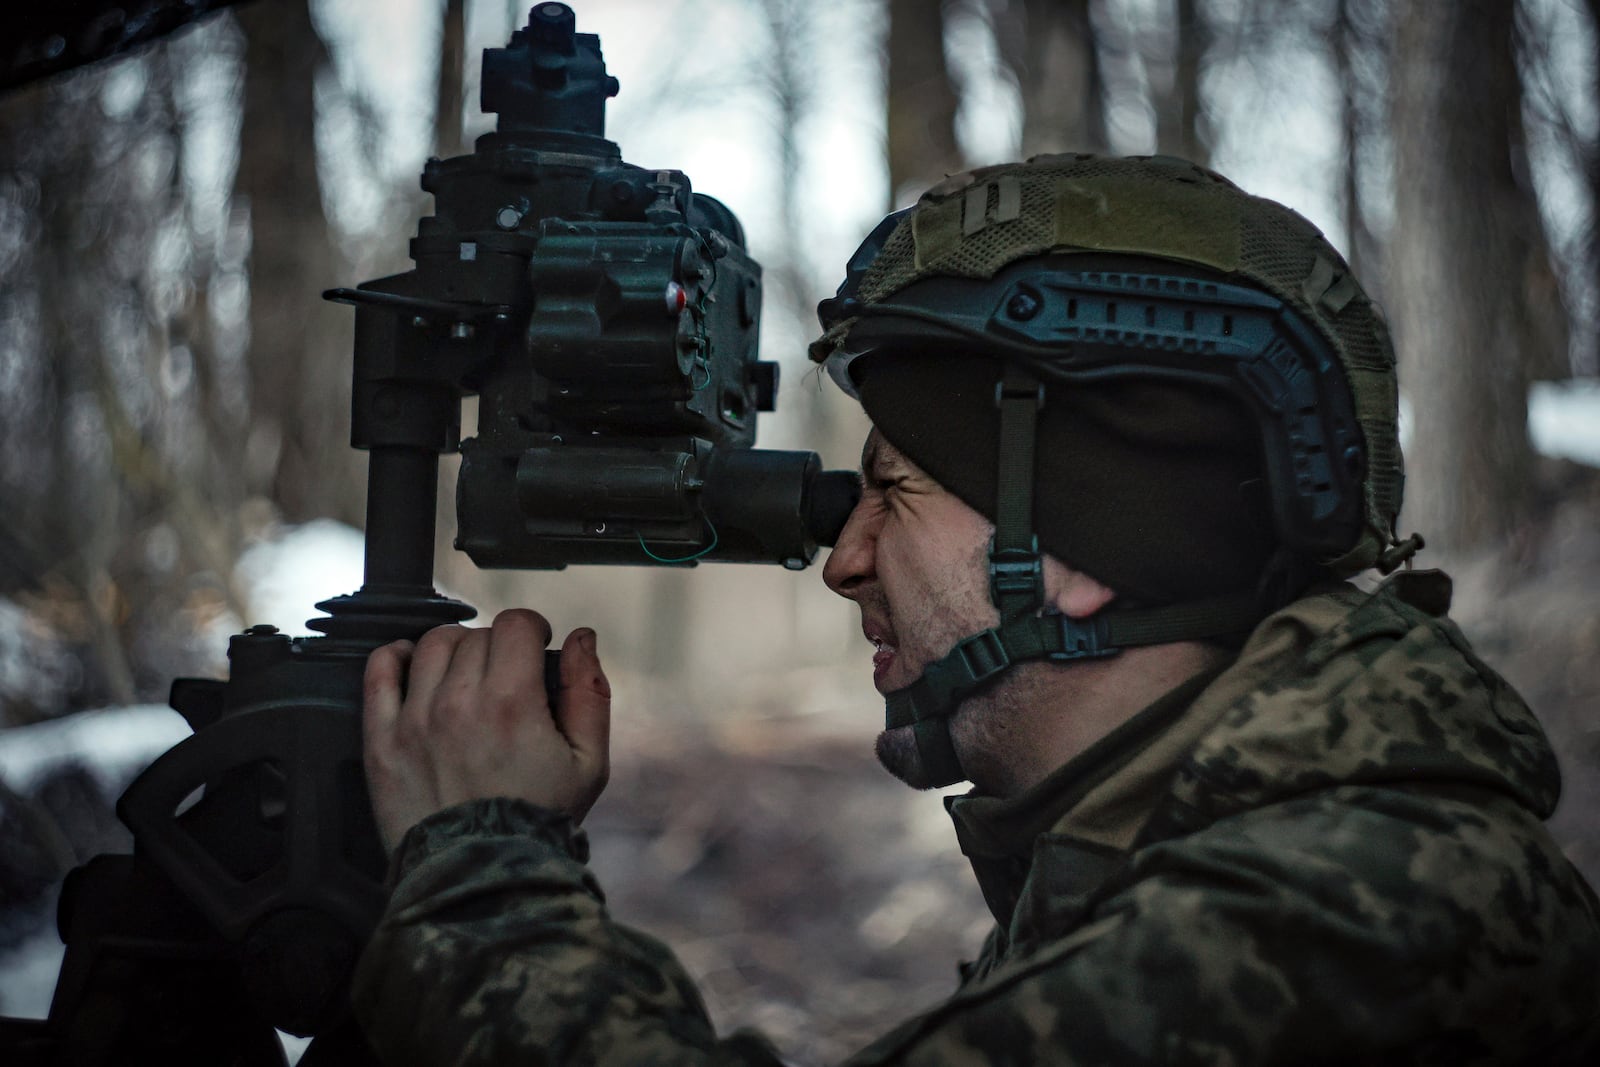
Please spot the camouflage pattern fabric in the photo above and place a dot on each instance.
(1333, 853)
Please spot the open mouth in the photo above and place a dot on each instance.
(881, 658)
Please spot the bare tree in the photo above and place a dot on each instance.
(1051, 49)
(74, 511)
(448, 118)
(119, 521)
(1592, 169)
(1553, 97)
(1359, 44)
(922, 100)
(299, 381)
(1465, 259)
(1546, 321)
(1181, 125)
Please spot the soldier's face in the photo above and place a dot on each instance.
(913, 557)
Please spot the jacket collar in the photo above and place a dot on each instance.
(1341, 687)
(1100, 798)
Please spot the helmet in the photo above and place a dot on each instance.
(1077, 271)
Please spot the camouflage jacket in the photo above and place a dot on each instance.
(1332, 852)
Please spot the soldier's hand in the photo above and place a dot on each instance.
(463, 715)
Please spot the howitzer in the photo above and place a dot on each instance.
(605, 316)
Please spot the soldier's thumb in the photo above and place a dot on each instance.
(583, 701)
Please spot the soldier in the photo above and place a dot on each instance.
(1134, 430)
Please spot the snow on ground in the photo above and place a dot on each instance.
(1564, 420)
(28, 972)
(121, 742)
(112, 746)
(34, 667)
(285, 577)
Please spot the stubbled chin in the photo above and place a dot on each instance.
(897, 751)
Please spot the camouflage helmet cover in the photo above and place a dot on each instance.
(974, 224)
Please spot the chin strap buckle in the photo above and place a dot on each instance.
(1081, 638)
(1016, 579)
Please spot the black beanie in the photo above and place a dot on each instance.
(1154, 489)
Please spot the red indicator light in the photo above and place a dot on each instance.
(677, 298)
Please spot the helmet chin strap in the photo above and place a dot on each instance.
(1016, 586)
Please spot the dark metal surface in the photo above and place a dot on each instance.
(42, 39)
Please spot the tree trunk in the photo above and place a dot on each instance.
(1459, 258)
(1051, 50)
(448, 119)
(1193, 142)
(1348, 43)
(299, 358)
(922, 100)
(83, 219)
(1589, 352)
(1546, 328)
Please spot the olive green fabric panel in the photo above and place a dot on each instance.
(1192, 222)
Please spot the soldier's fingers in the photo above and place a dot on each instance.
(429, 663)
(516, 660)
(382, 688)
(459, 697)
(583, 704)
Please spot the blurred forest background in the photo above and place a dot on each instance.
(173, 392)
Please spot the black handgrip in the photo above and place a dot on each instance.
(552, 674)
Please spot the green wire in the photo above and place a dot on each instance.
(682, 559)
(703, 363)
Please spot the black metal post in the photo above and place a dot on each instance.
(402, 498)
